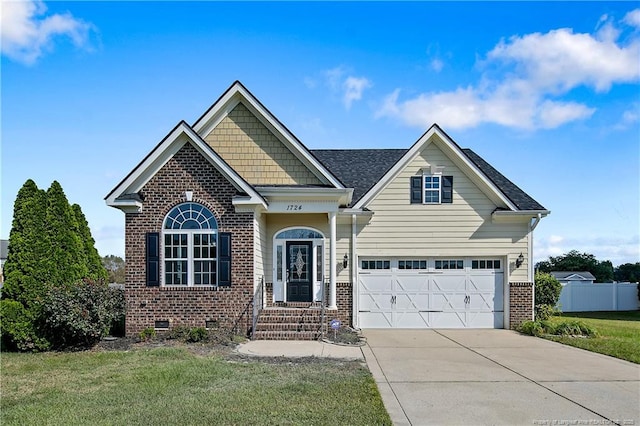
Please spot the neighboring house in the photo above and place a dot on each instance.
(4, 250)
(574, 277)
(235, 209)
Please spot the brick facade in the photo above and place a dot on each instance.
(230, 306)
(520, 303)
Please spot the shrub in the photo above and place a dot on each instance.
(574, 328)
(198, 334)
(564, 328)
(544, 312)
(548, 291)
(78, 315)
(536, 328)
(179, 332)
(17, 331)
(148, 333)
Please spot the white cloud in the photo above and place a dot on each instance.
(26, 33)
(525, 79)
(353, 88)
(632, 18)
(554, 114)
(349, 87)
(436, 64)
(560, 60)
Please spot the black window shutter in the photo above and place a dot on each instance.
(416, 189)
(153, 259)
(447, 189)
(224, 259)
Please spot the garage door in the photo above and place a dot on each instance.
(431, 293)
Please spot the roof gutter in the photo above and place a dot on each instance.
(504, 216)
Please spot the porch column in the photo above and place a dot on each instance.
(332, 260)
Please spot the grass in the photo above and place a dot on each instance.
(174, 386)
(618, 333)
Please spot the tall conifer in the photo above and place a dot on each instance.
(26, 268)
(66, 260)
(94, 262)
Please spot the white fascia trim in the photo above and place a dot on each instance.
(163, 152)
(422, 143)
(341, 195)
(504, 216)
(236, 93)
(127, 206)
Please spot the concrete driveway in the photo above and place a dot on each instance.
(470, 377)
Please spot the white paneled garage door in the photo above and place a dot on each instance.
(431, 293)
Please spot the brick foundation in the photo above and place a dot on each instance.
(520, 303)
(230, 307)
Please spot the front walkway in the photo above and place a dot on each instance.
(475, 377)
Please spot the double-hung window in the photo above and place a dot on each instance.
(431, 188)
(190, 237)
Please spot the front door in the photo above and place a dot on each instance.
(299, 271)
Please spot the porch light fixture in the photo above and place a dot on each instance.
(519, 260)
(345, 261)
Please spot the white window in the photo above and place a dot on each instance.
(190, 234)
(375, 264)
(450, 264)
(431, 187)
(485, 264)
(412, 264)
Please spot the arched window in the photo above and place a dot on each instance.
(190, 236)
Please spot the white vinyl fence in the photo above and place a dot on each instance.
(579, 297)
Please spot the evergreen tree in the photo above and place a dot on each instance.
(67, 259)
(576, 261)
(26, 268)
(94, 263)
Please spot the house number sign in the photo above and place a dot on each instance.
(294, 207)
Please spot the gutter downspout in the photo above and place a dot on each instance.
(532, 225)
(354, 272)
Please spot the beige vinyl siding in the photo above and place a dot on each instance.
(343, 246)
(256, 153)
(463, 228)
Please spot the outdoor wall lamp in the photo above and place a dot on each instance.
(519, 260)
(345, 261)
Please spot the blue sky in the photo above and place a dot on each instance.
(548, 93)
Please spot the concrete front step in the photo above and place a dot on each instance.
(289, 323)
(286, 326)
(277, 319)
(287, 335)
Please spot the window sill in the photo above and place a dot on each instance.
(194, 288)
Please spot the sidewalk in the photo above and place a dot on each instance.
(300, 349)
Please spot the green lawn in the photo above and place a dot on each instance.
(618, 333)
(174, 386)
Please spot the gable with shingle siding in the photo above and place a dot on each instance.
(256, 153)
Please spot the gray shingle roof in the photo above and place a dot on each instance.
(517, 196)
(561, 275)
(360, 169)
